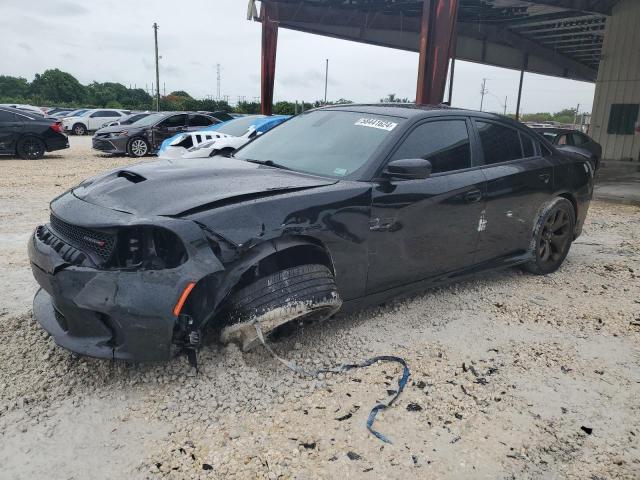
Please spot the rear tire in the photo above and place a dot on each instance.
(31, 148)
(302, 293)
(552, 237)
(79, 129)
(137, 147)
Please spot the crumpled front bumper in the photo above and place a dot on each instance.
(115, 314)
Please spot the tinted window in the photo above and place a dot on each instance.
(174, 121)
(7, 116)
(527, 145)
(326, 142)
(579, 139)
(105, 113)
(445, 144)
(199, 121)
(499, 143)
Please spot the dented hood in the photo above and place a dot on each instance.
(178, 187)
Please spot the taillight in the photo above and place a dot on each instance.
(57, 127)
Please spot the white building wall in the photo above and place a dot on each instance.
(618, 79)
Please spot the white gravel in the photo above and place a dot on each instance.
(506, 368)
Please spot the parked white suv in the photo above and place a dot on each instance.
(91, 120)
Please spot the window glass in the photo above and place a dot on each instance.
(110, 113)
(623, 118)
(527, 145)
(499, 143)
(7, 116)
(444, 143)
(199, 121)
(174, 121)
(331, 143)
(238, 126)
(579, 139)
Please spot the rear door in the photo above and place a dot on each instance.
(428, 227)
(168, 128)
(519, 182)
(10, 128)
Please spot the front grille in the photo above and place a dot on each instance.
(100, 243)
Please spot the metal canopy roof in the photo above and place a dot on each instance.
(551, 37)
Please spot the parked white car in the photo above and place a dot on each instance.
(91, 120)
(221, 139)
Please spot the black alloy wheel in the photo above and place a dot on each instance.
(553, 237)
(31, 148)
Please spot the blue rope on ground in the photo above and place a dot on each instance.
(344, 368)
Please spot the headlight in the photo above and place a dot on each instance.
(119, 134)
(148, 248)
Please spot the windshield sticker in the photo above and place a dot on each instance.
(375, 123)
(340, 171)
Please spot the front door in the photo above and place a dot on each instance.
(519, 182)
(424, 228)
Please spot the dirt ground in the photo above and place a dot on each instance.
(512, 375)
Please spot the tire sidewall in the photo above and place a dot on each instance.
(536, 265)
(130, 151)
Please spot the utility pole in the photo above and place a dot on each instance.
(483, 92)
(505, 105)
(575, 115)
(155, 34)
(326, 81)
(219, 78)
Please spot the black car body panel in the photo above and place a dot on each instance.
(16, 124)
(380, 237)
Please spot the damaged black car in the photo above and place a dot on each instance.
(337, 208)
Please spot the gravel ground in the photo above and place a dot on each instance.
(512, 375)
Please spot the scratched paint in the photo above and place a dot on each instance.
(482, 222)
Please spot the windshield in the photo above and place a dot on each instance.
(238, 127)
(324, 142)
(149, 120)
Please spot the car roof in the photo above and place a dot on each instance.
(411, 110)
(24, 113)
(556, 130)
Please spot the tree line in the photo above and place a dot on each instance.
(61, 89)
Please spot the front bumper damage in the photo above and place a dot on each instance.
(114, 314)
(108, 144)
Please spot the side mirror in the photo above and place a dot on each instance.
(408, 169)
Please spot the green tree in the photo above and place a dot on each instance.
(180, 93)
(248, 107)
(57, 86)
(13, 87)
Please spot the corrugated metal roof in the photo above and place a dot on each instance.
(565, 35)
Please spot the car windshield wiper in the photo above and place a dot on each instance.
(268, 163)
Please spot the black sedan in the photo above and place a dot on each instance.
(29, 135)
(336, 208)
(573, 140)
(145, 135)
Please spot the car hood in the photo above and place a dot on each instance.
(180, 187)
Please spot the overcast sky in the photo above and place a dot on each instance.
(112, 40)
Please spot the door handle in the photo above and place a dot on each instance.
(545, 177)
(473, 196)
